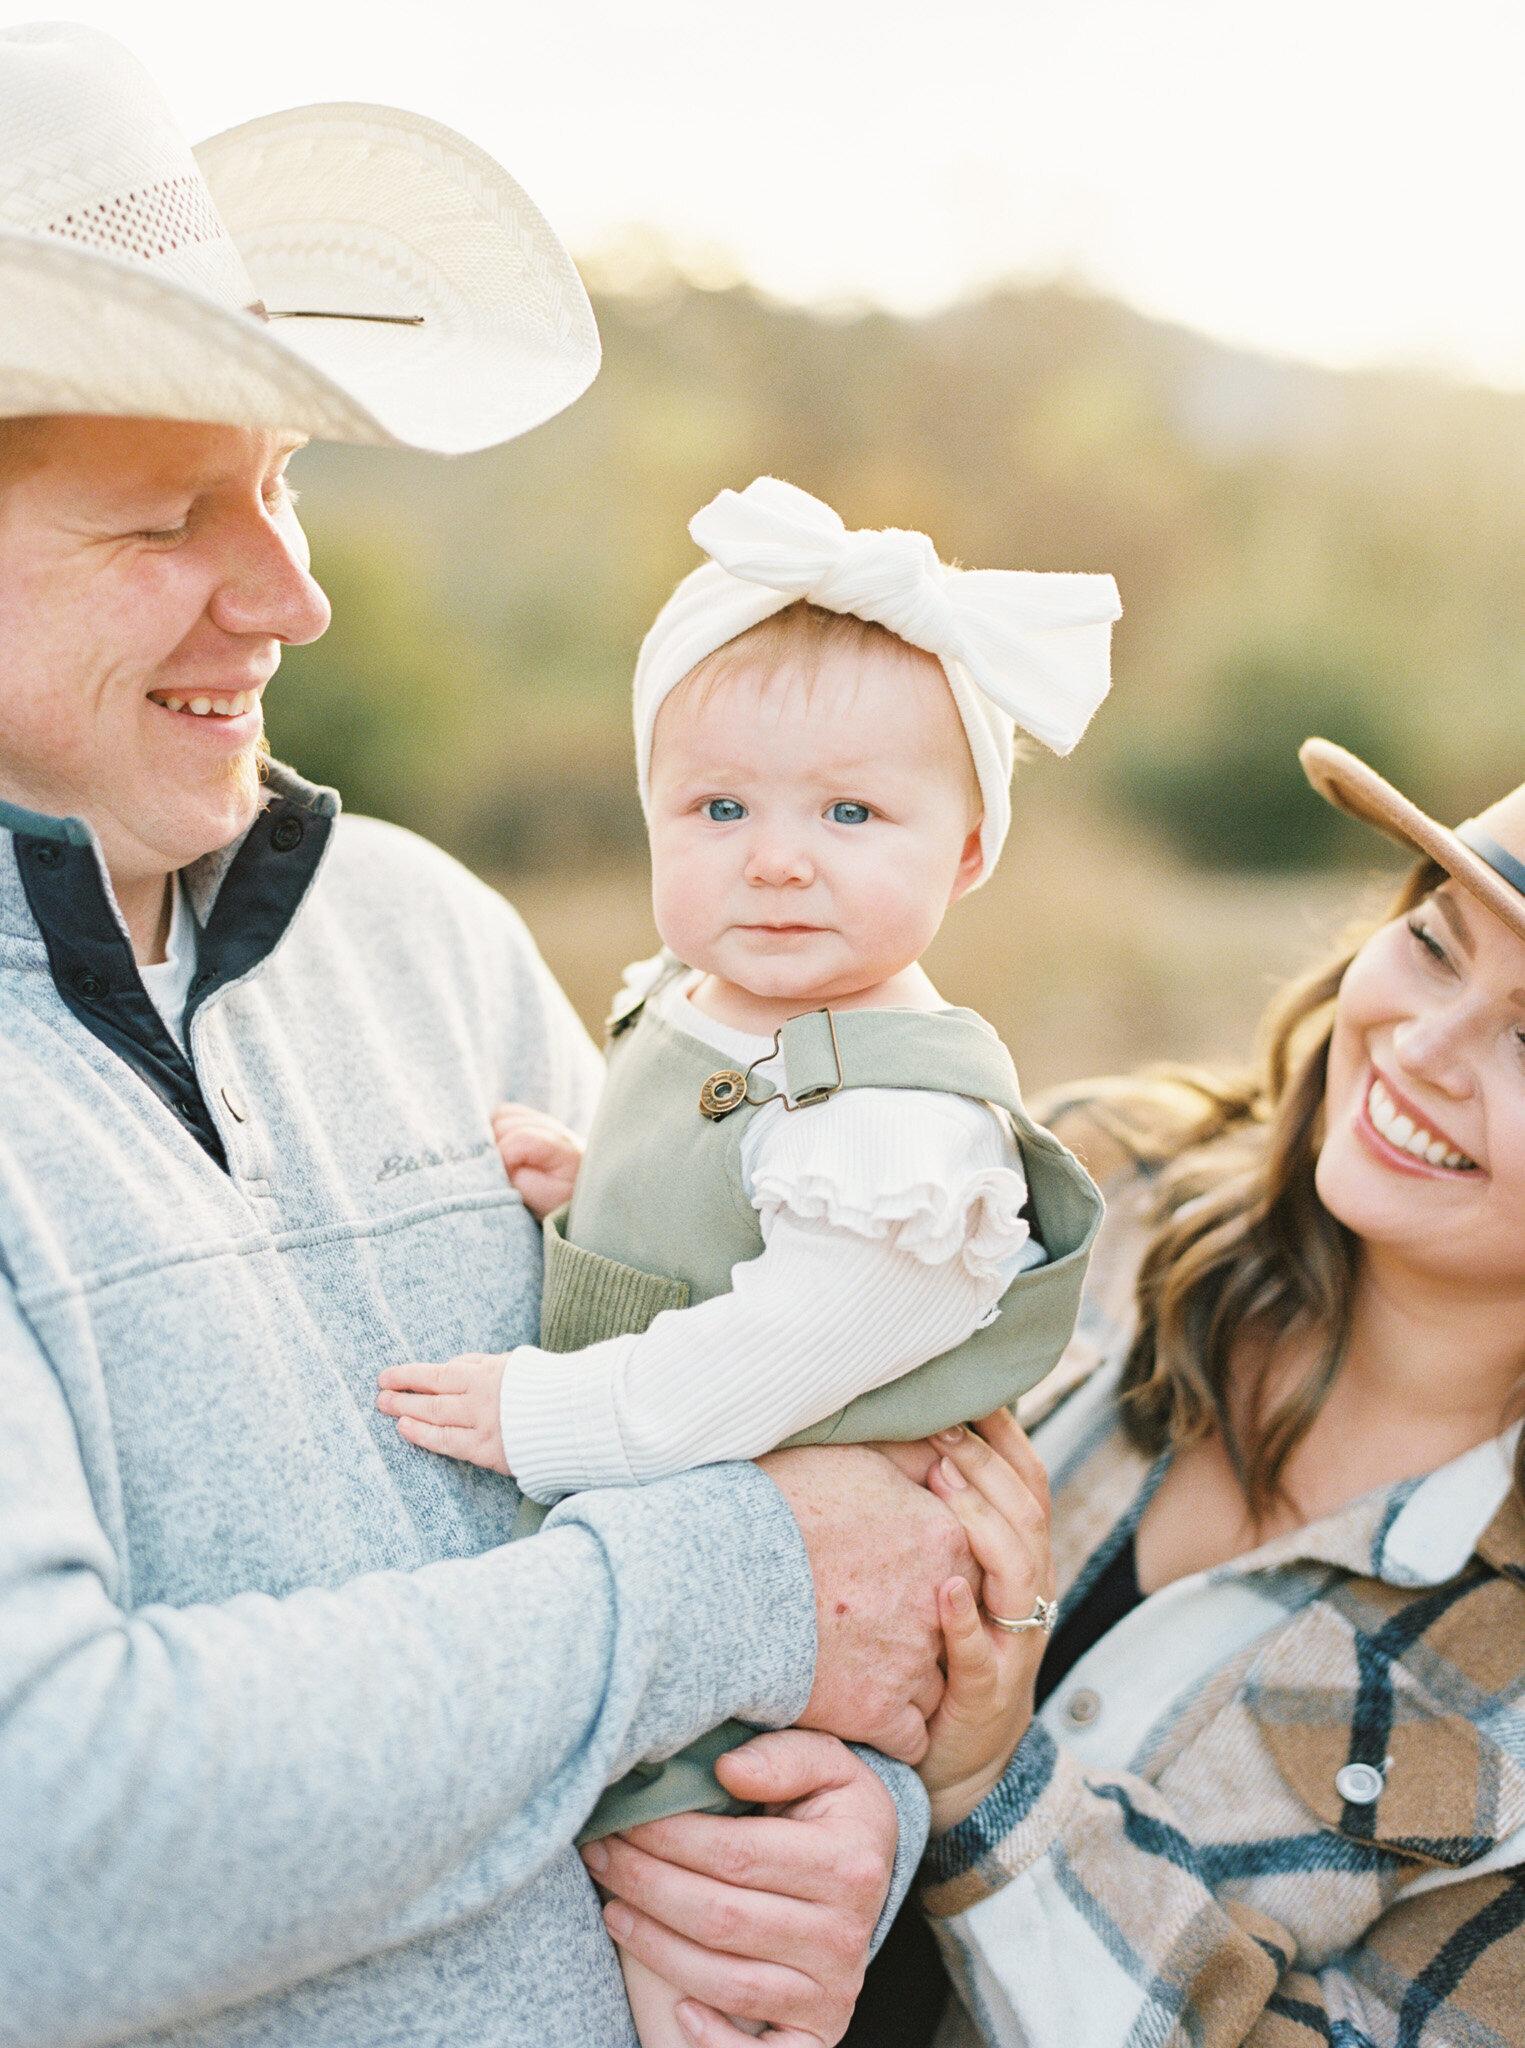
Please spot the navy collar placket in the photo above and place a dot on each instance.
(91, 957)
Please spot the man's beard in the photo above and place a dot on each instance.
(246, 771)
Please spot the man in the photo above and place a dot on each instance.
(293, 1741)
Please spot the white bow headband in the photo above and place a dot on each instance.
(1018, 647)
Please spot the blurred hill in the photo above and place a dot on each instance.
(1298, 550)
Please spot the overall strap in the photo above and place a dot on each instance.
(952, 1052)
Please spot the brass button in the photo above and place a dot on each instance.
(235, 1105)
(722, 1093)
(1083, 1706)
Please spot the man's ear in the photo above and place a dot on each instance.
(971, 864)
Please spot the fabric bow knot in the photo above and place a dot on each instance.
(1018, 648)
(1036, 645)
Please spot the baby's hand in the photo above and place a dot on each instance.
(540, 1156)
(450, 1408)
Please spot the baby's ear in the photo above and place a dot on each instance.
(971, 865)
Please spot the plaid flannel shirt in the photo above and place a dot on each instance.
(1282, 1802)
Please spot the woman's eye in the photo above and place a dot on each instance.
(849, 814)
(1426, 938)
(724, 810)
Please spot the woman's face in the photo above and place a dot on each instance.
(1424, 1151)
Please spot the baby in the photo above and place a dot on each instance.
(812, 1206)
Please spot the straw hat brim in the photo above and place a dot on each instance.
(336, 210)
(1345, 781)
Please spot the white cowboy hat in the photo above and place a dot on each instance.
(347, 272)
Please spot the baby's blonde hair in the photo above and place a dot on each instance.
(800, 638)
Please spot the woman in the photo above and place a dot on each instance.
(1274, 1791)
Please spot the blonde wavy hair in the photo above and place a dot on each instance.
(1242, 1245)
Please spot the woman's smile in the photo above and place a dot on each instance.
(1398, 1134)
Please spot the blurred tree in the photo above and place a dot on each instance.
(378, 707)
(1229, 792)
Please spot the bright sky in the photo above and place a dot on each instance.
(1337, 179)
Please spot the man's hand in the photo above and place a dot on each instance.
(768, 1917)
(450, 1408)
(540, 1156)
(880, 1548)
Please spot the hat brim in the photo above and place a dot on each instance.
(338, 211)
(1345, 781)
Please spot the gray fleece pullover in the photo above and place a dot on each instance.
(292, 1744)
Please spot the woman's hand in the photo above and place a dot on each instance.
(996, 1485)
(768, 1917)
(540, 1156)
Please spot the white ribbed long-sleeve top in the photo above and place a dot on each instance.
(892, 1225)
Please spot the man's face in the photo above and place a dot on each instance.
(146, 565)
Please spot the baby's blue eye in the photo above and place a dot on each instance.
(724, 810)
(848, 814)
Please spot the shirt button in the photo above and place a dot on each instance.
(235, 1105)
(92, 987)
(287, 833)
(1082, 1707)
(1359, 1784)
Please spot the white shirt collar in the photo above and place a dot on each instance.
(1438, 1527)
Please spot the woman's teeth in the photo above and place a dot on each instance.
(1402, 1131)
(214, 707)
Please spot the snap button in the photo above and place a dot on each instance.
(235, 1105)
(722, 1093)
(287, 833)
(1360, 1784)
(47, 855)
(1082, 1707)
(92, 987)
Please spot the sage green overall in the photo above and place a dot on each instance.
(660, 1217)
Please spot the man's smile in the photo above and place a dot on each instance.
(222, 704)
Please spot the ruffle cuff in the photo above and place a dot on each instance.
(935, 1175)
(980, 1222)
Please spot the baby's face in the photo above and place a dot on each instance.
(806, 839)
